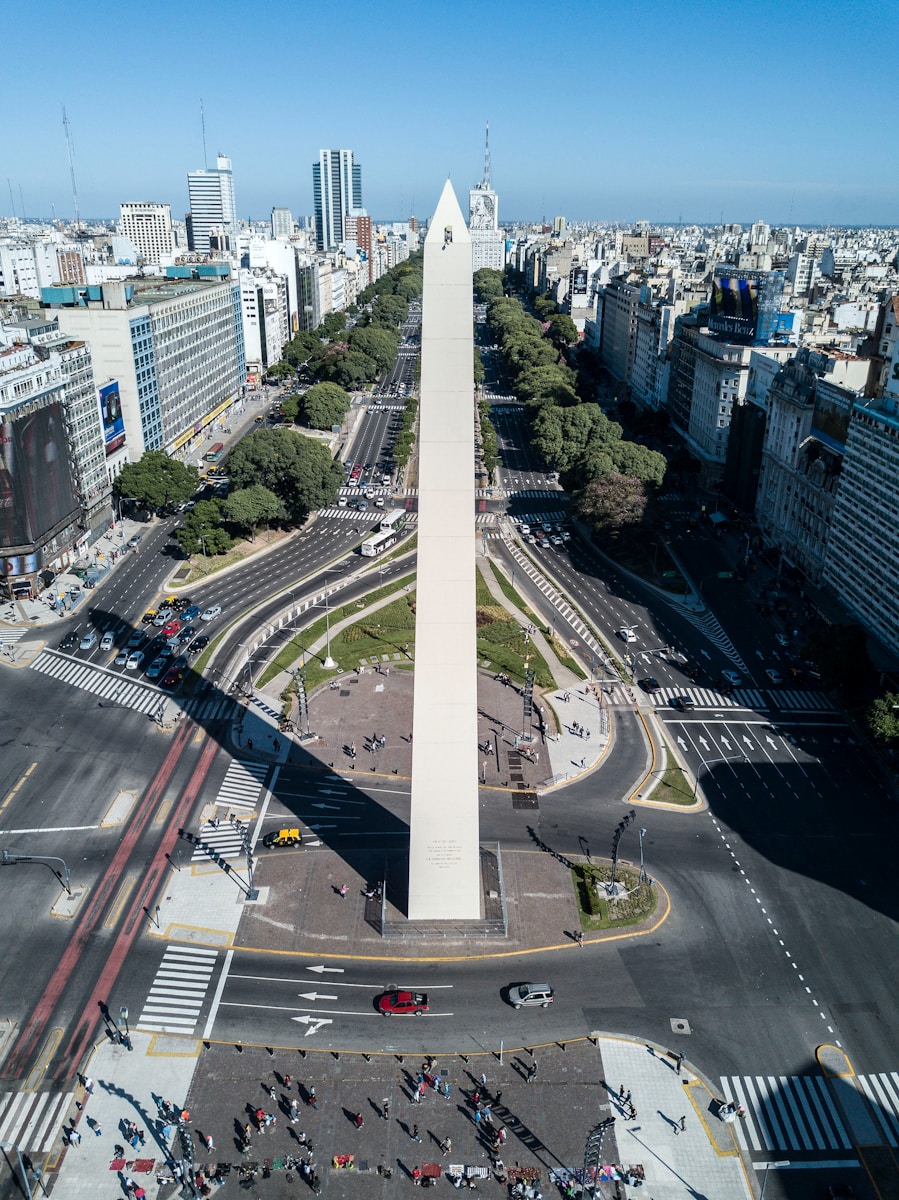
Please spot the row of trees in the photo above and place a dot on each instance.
(612, 480)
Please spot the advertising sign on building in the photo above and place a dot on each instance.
(111, 416)
(734, 306)
(36, 489)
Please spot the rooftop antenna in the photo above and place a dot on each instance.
(487, 155)
(21, 202)
(12, 203)
(203, 125)
(71, 154)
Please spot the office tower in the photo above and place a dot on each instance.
(282, 223)
(212, 210)
(488, 244)
(149, 229)
(337, 190)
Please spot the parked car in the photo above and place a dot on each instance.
(531, 995)
(403, 1002)
(215, 610)
(134, 540)
(89, 640)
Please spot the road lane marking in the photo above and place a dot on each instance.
(331, 1012)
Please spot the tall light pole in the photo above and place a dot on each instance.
(642, 834)
(784, 1162)
(205, 561)
(711, 762)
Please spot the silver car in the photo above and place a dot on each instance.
(531, 995)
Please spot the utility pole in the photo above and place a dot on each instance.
(71, 154)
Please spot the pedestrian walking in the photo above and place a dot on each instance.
(74, 1137)
(352, 749)
(294, 1110)
(683, 1124)
(446, 1145)
(343, 889)
(313, 1099)
(483, 1081)
(287, 1081)
(678, 1059)
(477, 1118)
(210, 1144)
(621, 1094)
(415, 1135)
(501, 1135)
(583, 764)
(272, 1093)
(359, 1121)
(446, 1089)
(627, 1100)
(532, 1072)
(95, 1125)
(632, 1114)
(416, 1095)
(487, 1114)
(579, 938)
(88, 1084)
(385, 1109)
(247, 1131)
(497, 1099)
(416, 1176)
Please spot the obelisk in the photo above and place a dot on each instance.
(444, 872)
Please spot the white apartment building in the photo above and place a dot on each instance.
(862, 559)
(148, 226)
(653, 330)
(213, 214)
(282, 223)
(719, 380)
(620, 301)
(266, 329)
(175, 345)
(803, 273)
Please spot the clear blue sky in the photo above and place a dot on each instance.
(598, 109)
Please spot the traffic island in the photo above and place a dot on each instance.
(610, 898)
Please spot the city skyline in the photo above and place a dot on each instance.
(699, 114)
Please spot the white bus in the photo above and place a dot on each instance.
(394, 520)
(378, 543)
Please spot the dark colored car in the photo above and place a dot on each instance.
(650, 685)
(401, 1002)
(173, 677)
(683, 704)
(69, 642)
(200, 643)
(186, 634)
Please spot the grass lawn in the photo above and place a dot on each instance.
(672, 787)
(597, 912)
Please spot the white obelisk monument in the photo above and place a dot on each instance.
(444, 870)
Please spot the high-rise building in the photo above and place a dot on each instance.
(337, 190)
(488, 243)
(148, 227)
(282, 223)
(213, 217)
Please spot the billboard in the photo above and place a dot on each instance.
(36, 489)
(734, 307)
(111, 416)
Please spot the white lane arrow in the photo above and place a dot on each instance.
(314, 996)
(321, 969)
(761, 655)
(725, 743)
(329, 791)
(332, 807)
(683, 745)
(703, 743)
(770, 740)
(314, 1023)
(748, 740)
(706, 653)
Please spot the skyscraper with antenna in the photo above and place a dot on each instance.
(488, 243)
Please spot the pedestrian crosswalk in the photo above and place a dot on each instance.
(369, 515)
(33, 1121)
(238, 796)
(9, 637)
(108, 685)
(178, 991)
(797, 1113)
(215, 707)
(536, 519)
(786, 701)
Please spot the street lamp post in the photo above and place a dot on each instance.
(711, 762)
(642, 835)
(205, 561)
(784, 1162)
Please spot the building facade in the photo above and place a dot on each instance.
(282, 223)
(175, 346)
(148, 227)
(212, 221)
(336, 191)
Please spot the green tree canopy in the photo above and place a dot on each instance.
(389, 310)
(552, 384)
(544, 306)
(633, 459)
(300, 346)
(883, 719)
(562, 330)
(279, 370)
(487, 283)
(298, 469)
(324, 405)
(253, 506)
(379, 344)
(290, 406)
(202, 531)
(347, 368)
(332, 324)
(612, 504)
(156, 481)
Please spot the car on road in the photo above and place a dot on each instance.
(137, 639)
(362, 505)
(341, 502)
(774, 675)
(190, 613)
(186, 634)
(627, 634)
(89, 640)
(69, 642)
(171, 628)
(173, 677)
(683, 704)
(650, 685)
(732, 678)
(150, 615)
(134, 540)
(209, 614)
(108, 640)
(402, 1002)
(282, 837)
(135, 660)
(163, 616)
(156, 667)
(531, 995)
(557, 540)
(122, 657)
(200, 643)
(180, 662)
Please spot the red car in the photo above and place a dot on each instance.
(171, 629)
(173, 677)
(403, 1002)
